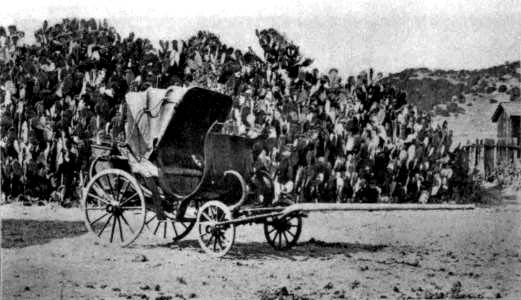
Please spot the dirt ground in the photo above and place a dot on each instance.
(46, 254)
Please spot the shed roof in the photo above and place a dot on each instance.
(511, 108)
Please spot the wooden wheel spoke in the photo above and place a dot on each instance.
(151, 219)
(98, 219)
(120, 230)
(272, 229)
(285, 237)
(113, 227)
(219, 240)
(157, 226)
(111, 187)
(206, 216)
(117, 188)
(275, 236)
(215, 243)
(209, 241)
(164, 229)
(124, 190)
(293, 222)
(98, 198)
(280, 240)
(105, 226)
(130, 198)
(223, 238)
(125, 220)
(175, 230)
(98, 188)
(291, 233)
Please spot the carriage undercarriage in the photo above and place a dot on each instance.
(117, 210)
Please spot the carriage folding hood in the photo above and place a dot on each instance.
(172, 119)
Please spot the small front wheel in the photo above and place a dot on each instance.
(215, 237)
(283, 233)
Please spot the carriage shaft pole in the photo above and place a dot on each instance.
(250, 219)
(309, 207)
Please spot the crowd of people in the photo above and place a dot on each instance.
(324, 138)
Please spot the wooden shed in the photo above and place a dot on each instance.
(508, 118)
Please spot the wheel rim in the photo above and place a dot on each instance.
(213, 238)
(114, 207)
(169, 228)
(283, 233)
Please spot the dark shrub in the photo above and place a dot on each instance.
(461, 98)
(515, 93)
(490, 89)
(502, 88)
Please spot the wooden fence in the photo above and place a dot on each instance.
(488, 155)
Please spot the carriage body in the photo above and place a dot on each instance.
(194, 159)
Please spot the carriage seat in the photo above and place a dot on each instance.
(181, 163)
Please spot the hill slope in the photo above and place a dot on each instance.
(427, 88)
(465, 98)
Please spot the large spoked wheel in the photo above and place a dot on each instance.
(216, 239)
(114, 207)
(169, 228)
(283, 233)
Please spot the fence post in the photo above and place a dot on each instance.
(499, 151)
(516, 151)
(480, 161)
(518, 145)
(393, 124)
(476, 153)
(469, 156)
(489, 157)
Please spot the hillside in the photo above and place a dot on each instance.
(465, 98)
(427, 88)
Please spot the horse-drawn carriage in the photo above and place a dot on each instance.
(177, 170)
(203, 176)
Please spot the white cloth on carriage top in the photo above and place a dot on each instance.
(143, 128)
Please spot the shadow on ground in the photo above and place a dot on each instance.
(23, 233)
(260, 250)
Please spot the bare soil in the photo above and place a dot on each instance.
(46, 254)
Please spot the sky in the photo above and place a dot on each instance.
(350, 35)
